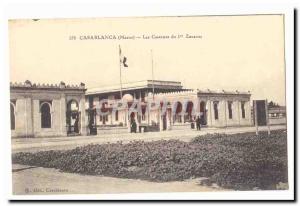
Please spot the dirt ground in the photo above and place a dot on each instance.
(29, 180)
(62, 143)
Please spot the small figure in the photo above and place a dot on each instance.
(198, 123)
(133, 126)
(192, 125)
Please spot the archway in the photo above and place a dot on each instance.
(189, 111)
(132, 116)
(73, 117)
(203, 113)
(104, 113)
(45, 110)
(178, 110)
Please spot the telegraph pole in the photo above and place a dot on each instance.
(120, 67)
(152, 73)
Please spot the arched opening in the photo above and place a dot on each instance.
(178, 110)
(103, 114)
(230, 109)
(203, 113)
(143, 113)
(165, 110)
(73, 117)
(12, 117)
(243, 110)
(216, 110)
(45, 110)
(189, 111)
(132, 116)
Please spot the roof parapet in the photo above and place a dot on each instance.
(61, 85)
(222, 92)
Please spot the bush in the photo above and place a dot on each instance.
(240, 161)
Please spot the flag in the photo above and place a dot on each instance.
(123, 59)
(124, 62)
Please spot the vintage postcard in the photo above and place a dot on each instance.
(148, 105)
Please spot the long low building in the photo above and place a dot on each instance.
(61, 110)
(216, 109)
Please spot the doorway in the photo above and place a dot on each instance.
(73, 118)
(203, 113)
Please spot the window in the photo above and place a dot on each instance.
(117, 115)
(243, 110)
(216, 112)
(45, 115)
(12, 117)
(230, 110)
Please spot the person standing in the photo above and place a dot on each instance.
(133, 126)
(198, 123)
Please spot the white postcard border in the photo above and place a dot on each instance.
(96, 10)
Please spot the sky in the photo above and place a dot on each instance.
(244, 53)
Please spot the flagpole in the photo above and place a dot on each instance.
(120, 67)
(152, 74)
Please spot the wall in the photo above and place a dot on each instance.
(28, 115)
(23, 118)
(223, 112)
(183, 97)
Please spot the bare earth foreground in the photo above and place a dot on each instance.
(43, 181)
(38, 180)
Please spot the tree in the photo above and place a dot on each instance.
(273, 104)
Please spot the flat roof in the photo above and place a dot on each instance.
(145, 84)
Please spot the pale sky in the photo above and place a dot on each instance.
(235, 52)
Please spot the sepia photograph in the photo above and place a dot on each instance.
(148, 104)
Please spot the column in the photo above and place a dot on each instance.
(83, 124)
(238, 110)
(28, 116)
(63, 129)
(136, 118)
(211, 112)
(248, 112)
(225, 112)
(169, 119)
(160, 120)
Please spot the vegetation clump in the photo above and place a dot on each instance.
(238, 161)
